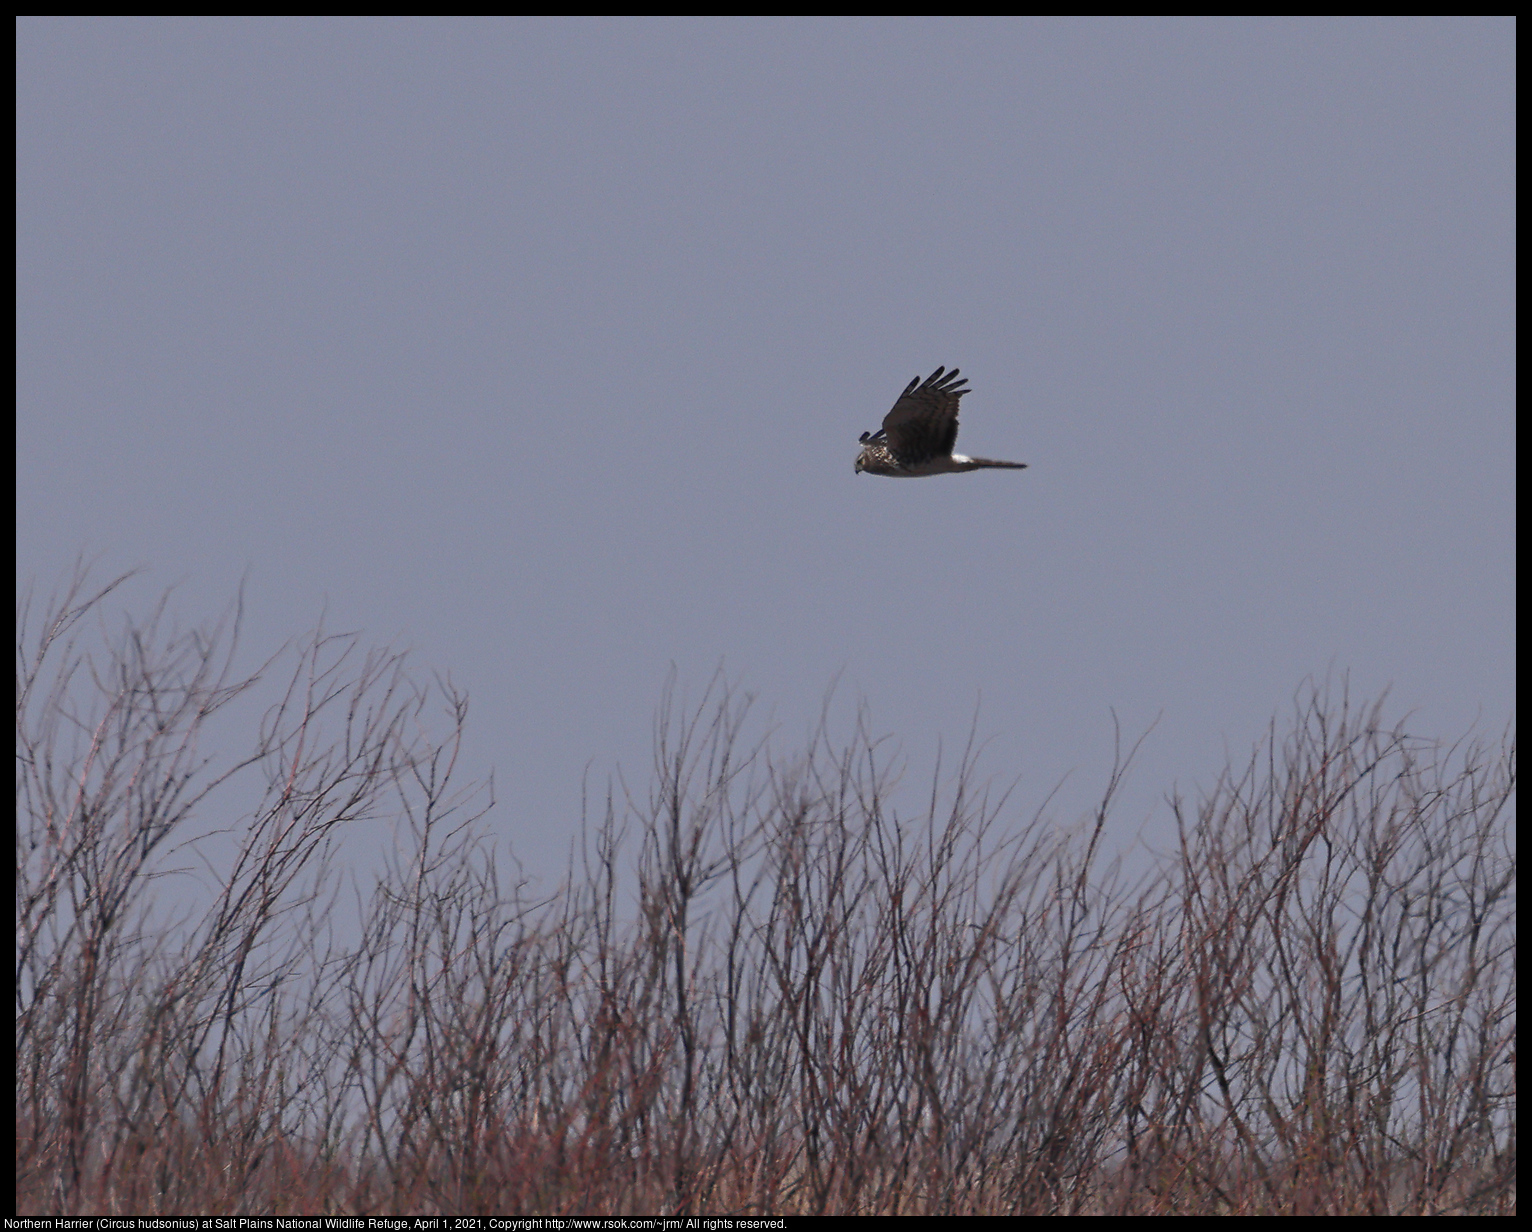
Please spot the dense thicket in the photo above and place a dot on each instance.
(764, 987)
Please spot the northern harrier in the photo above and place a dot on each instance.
(918, 434)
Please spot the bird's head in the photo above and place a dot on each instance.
(861, 457)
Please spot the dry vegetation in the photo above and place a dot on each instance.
(761, 990)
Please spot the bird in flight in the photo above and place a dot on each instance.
(918, 434)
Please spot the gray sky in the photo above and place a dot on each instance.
(542, 347)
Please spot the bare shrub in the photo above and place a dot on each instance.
(769, 984)
(1346, 1000)
(163, 1063)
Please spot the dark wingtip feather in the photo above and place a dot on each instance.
(947, 382)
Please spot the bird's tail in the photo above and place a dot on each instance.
(981, 463)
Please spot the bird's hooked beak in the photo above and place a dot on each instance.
(858, 464)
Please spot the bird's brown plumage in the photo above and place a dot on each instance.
(918, 434)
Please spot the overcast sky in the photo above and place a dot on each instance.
(542, 348)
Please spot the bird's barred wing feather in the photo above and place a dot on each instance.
(923, 423)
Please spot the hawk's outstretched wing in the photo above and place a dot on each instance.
(923, 424)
